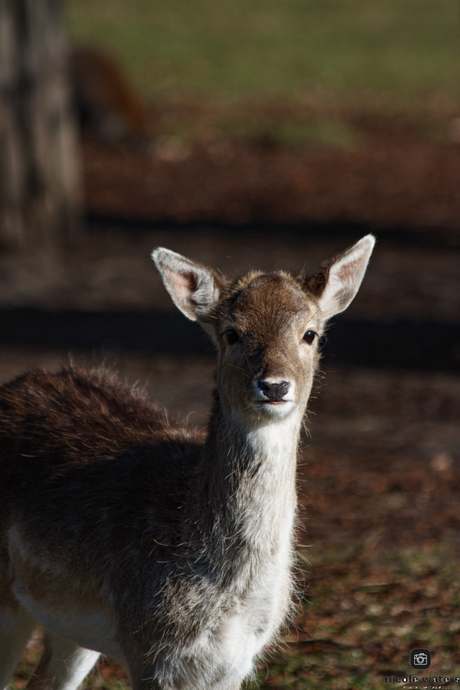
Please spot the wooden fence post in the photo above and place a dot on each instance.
(40, 190)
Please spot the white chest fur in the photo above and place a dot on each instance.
(243, 632)
(263, 592)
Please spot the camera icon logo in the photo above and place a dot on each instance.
(420, 658)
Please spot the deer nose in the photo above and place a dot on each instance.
(274, 392)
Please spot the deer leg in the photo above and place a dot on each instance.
(63, 666)
(16, 627)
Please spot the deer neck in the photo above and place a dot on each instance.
(244, 495)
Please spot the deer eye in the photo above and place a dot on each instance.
(231, 335)
(309, 337)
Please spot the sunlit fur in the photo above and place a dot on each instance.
(167, 547)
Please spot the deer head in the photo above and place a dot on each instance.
(265, 325)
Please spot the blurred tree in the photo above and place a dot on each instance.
(39, 162)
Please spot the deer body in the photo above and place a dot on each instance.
(168, 548)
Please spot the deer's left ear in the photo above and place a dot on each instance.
(337, 281)
(194, 289)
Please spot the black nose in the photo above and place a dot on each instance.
(274, 392)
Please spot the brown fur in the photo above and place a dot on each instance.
(82, 415)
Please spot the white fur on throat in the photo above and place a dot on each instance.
(247, 628)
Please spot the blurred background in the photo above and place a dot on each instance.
(264, 135)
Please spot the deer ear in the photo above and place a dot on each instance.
(337, 281)
(194, 289)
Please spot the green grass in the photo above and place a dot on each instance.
(235, 48)
(361, 615)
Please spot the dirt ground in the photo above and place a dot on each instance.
(387, 169)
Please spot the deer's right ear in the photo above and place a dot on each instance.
(194, 289)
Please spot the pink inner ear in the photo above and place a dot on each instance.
(348, 269)
(183, 283)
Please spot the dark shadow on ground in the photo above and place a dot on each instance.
(414, 345)
(426, 238)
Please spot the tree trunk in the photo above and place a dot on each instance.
(39, 164)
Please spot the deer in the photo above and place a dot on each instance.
(167, 547)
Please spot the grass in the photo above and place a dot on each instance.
(362, 613)
(234, 48)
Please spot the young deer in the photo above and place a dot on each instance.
(164, 547)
